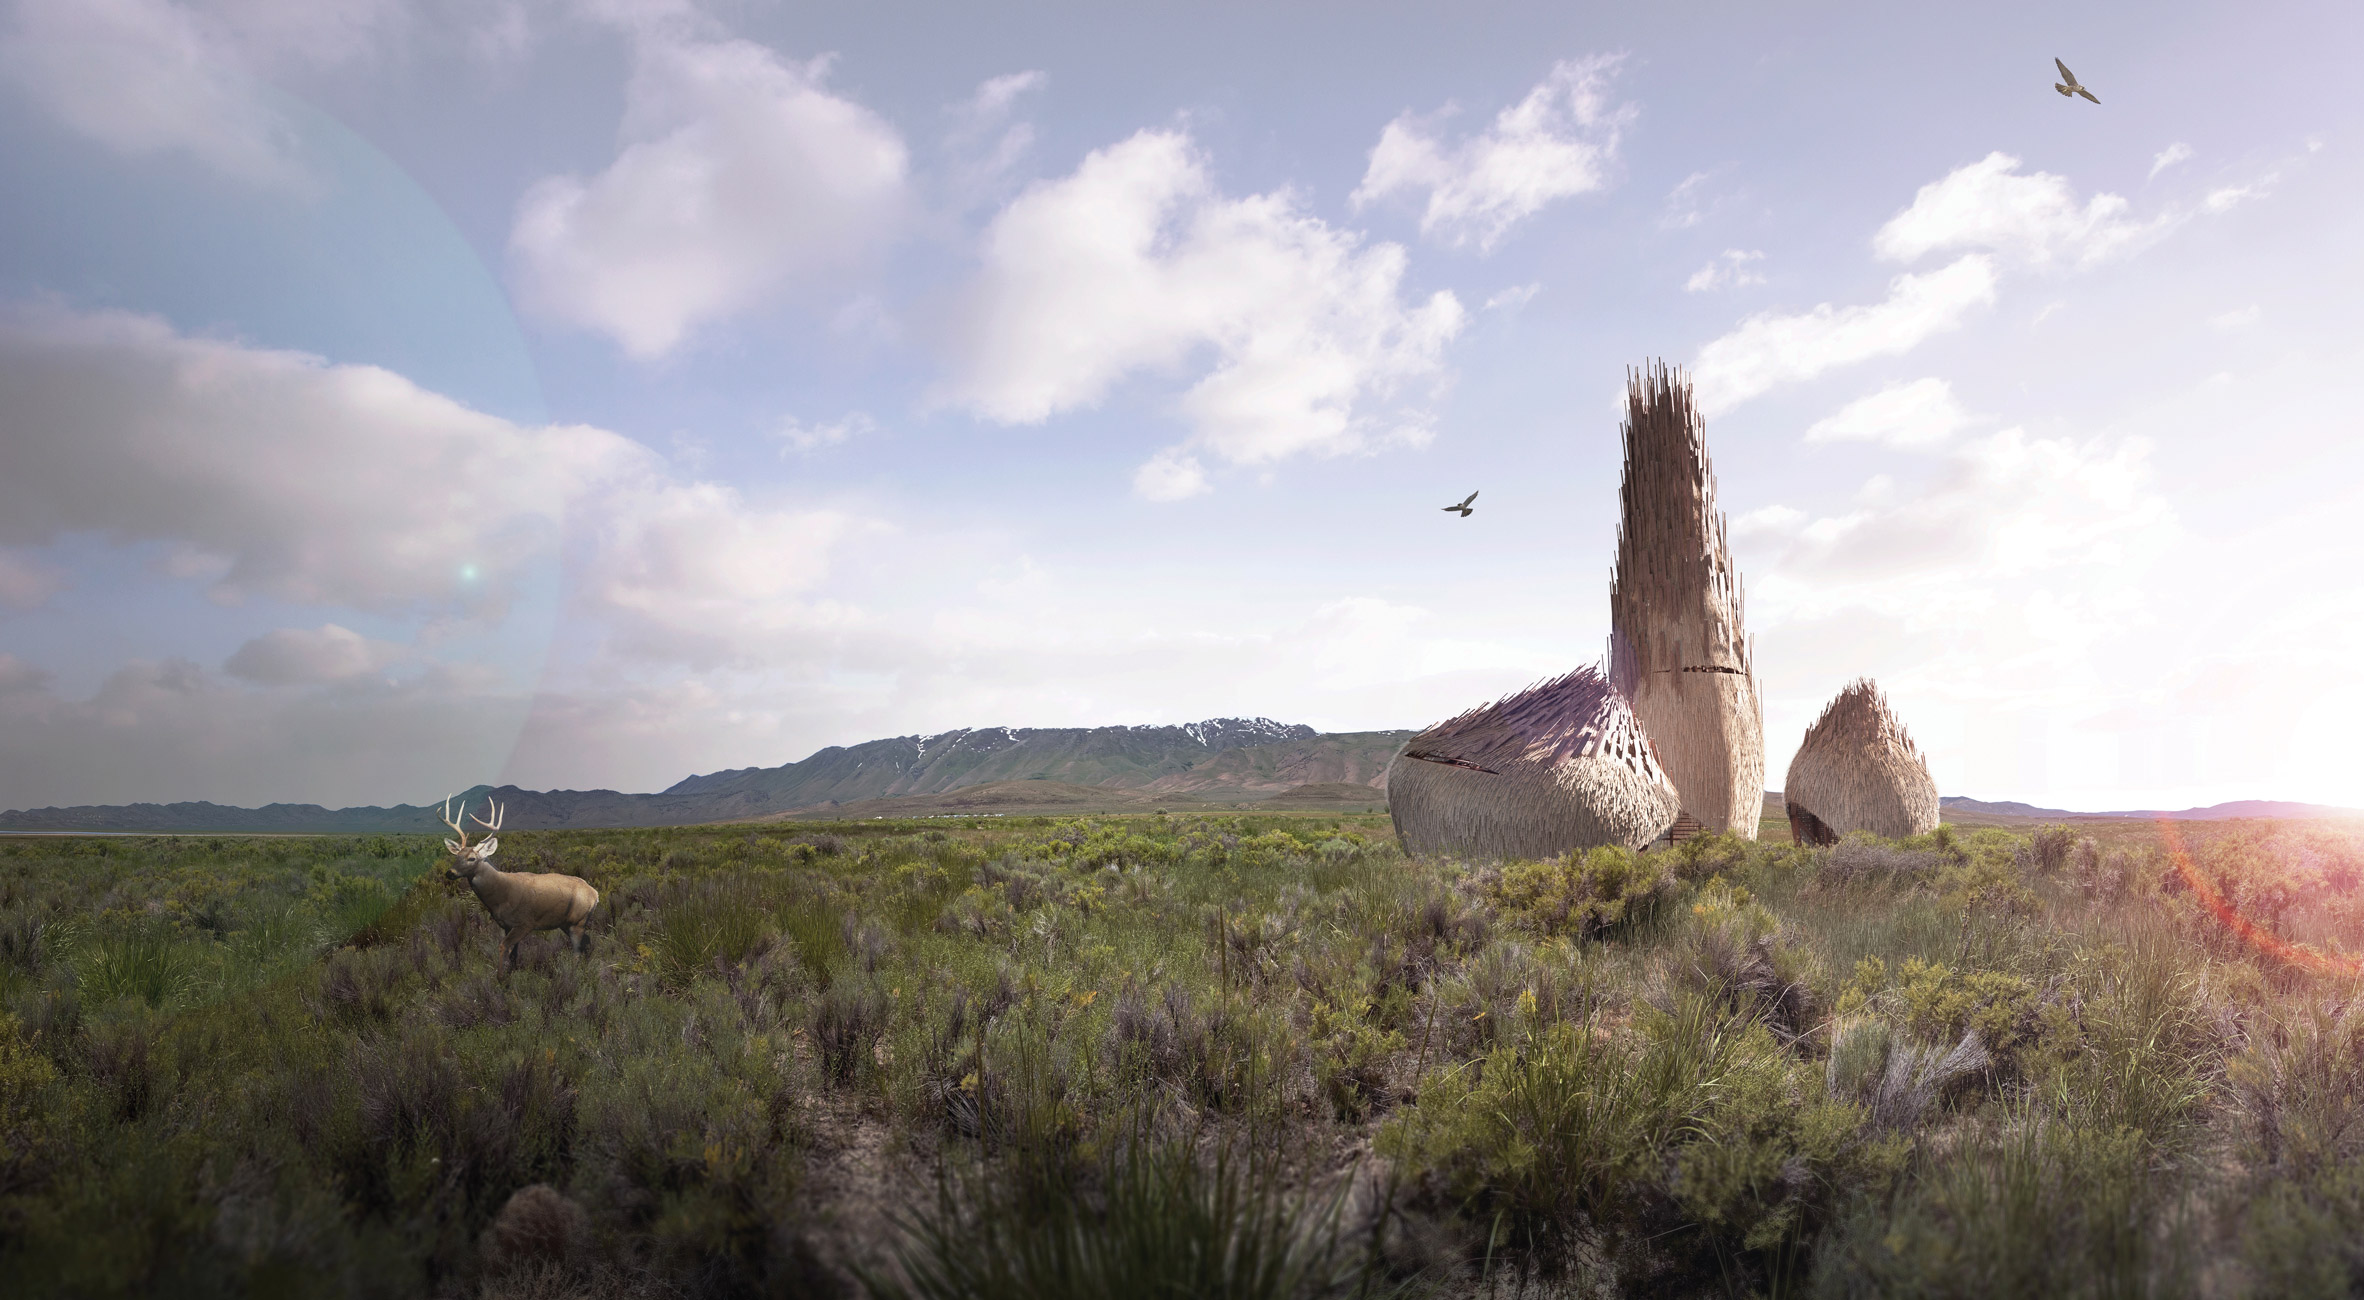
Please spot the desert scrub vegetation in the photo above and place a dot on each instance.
(1187, 1056)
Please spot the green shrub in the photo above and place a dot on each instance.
(143, 961)
(1351, 1057)
(1584, 894)
(1720, 853)
(1939, 1004)
(1734, 955)
(2050, 848)
(1773, 1153)
(817, 927)
(1986, 876)
(847, 1023)
(708, 928)
(2298, 1240)
(1562, 1135)
(1166, 1223)
(2027, 1208)
(26, 1078)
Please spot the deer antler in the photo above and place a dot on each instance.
(457, 828)
(495, 823)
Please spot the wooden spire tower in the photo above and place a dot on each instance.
(1678, 648)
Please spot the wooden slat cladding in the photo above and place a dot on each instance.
(1561, 765)
(1858, 770)
(1678, 644)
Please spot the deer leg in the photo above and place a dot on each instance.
(509, 950)
(582, 938)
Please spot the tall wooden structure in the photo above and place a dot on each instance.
(1678, 648)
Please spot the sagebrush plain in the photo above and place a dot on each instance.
(1183, 1055)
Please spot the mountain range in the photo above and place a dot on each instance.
(2211, 813)
(1231, 760)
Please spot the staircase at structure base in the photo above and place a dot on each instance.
(1685, 826)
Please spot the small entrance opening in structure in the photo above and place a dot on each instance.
(1806, 828)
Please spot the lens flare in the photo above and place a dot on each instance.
(2255, 935)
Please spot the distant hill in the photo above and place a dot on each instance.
(522, 810)
(2211, 813)
(1003, 798)
(1342, 758)
(2001, 808)
(1122, 757)
(1034, 798)
(1224, 759)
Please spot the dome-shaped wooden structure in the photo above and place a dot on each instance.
(1677, 646)
(1858, 771)
(1561, 765)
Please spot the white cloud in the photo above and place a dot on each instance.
(1136, 263)
(1515, 297)
(2238, 318)
(1986, 207)
(292, 656)
(983, 142)
(300, 480)
(800, 436)
(2169, 156)
(645, 17)
(1768, 350)
(1777, 520)
(500, 33)
(313, 33)
(277, 474)
(1558, 142)
(995, 94)
(740, 177)
(25, 582)
(168, 730)
(2034, 219)
(2225, 199)
(1170, 475)
(1731, 269)
(1922, 413)
(144, 77)
(2004, 589)
(18, 676)
(692, 573)
(1683, 208)
(1998, 508)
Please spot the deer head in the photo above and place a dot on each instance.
(468, 859)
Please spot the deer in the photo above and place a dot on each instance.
(520, 903)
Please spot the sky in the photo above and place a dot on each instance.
(397, 395)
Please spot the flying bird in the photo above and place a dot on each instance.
(1464, 506)
(2067, 85)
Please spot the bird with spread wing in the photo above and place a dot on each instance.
(1464, 506)
(2067, 85)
